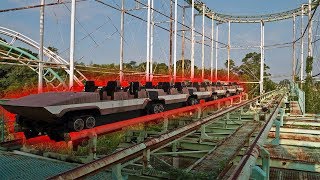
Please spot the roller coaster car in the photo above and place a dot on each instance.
(239, 88)
(54, 113)
(231, 89)
(218, 90)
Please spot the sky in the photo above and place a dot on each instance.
(103, 25)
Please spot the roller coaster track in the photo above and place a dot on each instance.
(146, 151)
(198, 5)
(50, 75)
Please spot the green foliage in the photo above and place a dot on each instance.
(249, 71)
(284, 82)
(232, 65)
(312, 99)
(15, 79)
(309, 63)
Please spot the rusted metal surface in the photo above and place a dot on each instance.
(294, 108)
(291, 153)
(276, 173)
(308, 137)
(250, 156)
(152, 144)
(216, 161)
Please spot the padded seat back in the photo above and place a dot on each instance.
(178, 86)
(134, 88)
(120, 96)
(173, 91)
(185, 91)
(90, 86)
(202, 89)
(142, 93)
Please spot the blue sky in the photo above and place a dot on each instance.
(102, 22)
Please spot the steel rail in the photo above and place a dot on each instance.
(253, 151)
(250, 19)
(149, 145)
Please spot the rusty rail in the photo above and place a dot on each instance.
(149, 145)
(249, 158)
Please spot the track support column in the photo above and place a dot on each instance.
(148, 41)
(212, 43)
(183, 41)
(116, 173)
(40, 68)
(217, 44)
(229, 48)
(262, 58)
(175, 40)
(302, 49)
(72, 41)
(121, 40)
(294, 49)
(192, 41)
(310, 30)
(262, 173)
(202, 48)
(146, 158)
(151, 41)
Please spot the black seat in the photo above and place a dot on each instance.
(165, 86)
(204, 84)
(90, 86)
(196, 85)
(110, 88)
(134, 88)
(149, 85)
(178, 86)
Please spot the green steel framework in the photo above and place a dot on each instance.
(51, 58)
(31, 57)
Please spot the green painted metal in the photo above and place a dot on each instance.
(258, 173)
(301, 98)
(298, 131)
(116, 173)
(276, 140)
(299, 143)
(31, 57)
(282, 112)
(265, 156)
(301, 123)
(286, 164)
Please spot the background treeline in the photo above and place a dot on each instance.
(17, 79)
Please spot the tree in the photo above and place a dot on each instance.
(311, 92)
(249, 71)
(232, 65)
(133, 63)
